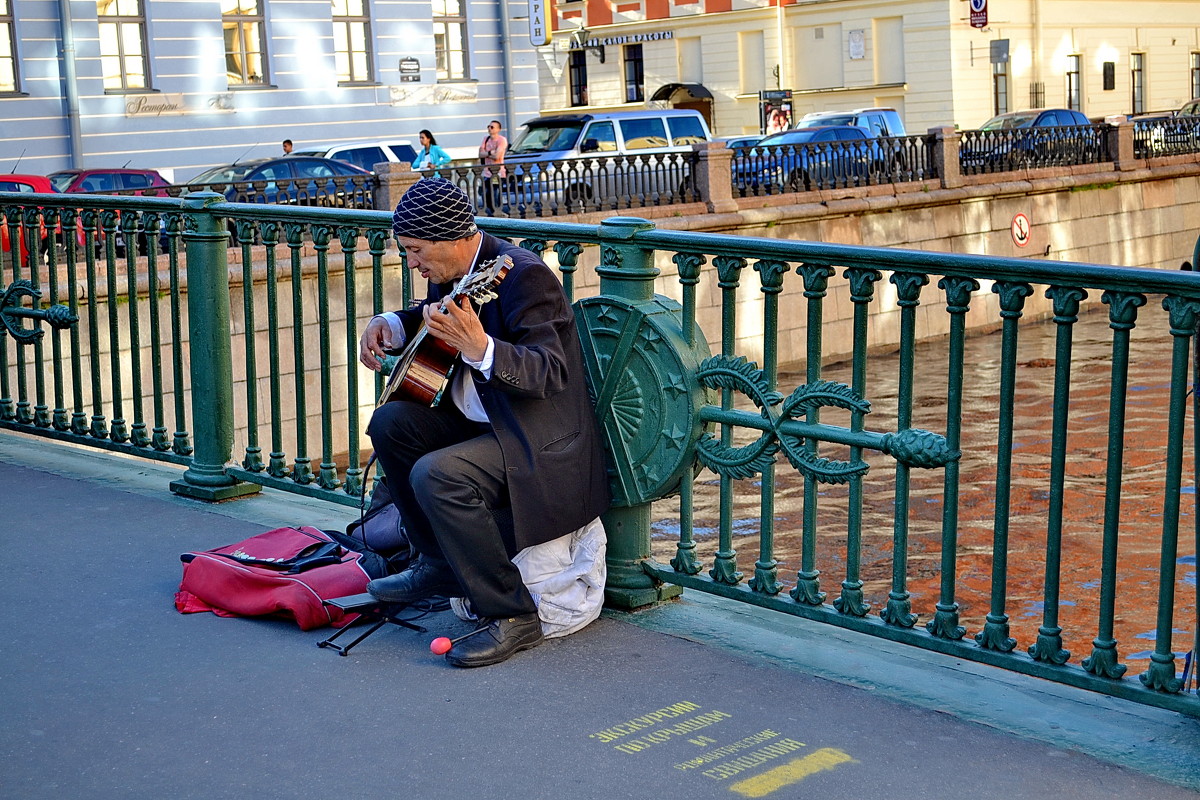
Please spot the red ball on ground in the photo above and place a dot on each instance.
(440, 646)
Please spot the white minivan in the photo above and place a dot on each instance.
(614, 133)
(365, 154)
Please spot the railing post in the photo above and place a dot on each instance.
(1120, 145)
(642, 371)
(209, 346)
(394, 180)
(628, 272)
(945, 155)
(714, 176)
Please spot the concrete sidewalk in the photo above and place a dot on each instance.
(107, 692)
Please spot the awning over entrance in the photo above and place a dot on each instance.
(696, 90)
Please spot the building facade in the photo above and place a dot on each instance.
(183, 85)
(922, 57)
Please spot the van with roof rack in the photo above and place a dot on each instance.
(580, 162)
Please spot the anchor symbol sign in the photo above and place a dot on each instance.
(1020, 230)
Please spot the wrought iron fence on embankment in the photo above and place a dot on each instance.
(242, 374)
(547, 189)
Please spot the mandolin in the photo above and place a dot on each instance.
(426, 364)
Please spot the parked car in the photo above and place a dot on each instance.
(98, 181)
(734, 142)
(364, 154)
(572, 162)
(805, 159)
(877, 121)
(1035, 118)
(1036, 137)
(1165, 133)
(292, 180)
(25, 184)
(145, 182)
(1189, 109)
(608, 134)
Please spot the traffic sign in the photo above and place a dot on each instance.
(979, 17)
(1020, 230)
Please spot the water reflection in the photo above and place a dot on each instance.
(1141, 500)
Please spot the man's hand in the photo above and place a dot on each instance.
(458, 327)
(371, 344)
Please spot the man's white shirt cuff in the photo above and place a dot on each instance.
(396, 337)
(484, 365)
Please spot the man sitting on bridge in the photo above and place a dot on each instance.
(515, 428)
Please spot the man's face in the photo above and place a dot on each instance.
(439, 262)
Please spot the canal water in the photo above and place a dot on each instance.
(1141, 511)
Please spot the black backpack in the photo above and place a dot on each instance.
(379, 535)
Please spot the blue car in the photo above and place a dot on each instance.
(1040, 137)
(290, 180)
(805, 159)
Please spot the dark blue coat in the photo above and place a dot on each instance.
(537, 398)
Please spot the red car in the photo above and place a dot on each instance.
(24, 184)
(141, 181)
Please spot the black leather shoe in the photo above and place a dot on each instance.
(427, 577)
(501, 639)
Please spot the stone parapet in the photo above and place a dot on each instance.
(945, 156)
(714, 176)
(1120, 146)
(394, 180)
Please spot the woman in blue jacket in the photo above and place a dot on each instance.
(430, 155)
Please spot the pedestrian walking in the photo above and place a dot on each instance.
(430, 155)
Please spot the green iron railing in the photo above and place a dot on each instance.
(684, 428)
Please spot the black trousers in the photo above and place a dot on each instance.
(446, 474)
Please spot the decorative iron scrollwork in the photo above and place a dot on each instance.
(782, 426)
(12, 309)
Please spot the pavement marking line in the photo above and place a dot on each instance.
(792, 772)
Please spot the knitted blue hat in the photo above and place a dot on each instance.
(435, 210)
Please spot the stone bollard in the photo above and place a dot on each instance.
(714, 176)
(945, 156)
(1120, 145)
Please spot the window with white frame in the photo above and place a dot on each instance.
(245, 43)
(1137, 82)
(1074, 90)
(577, 77)
(635, 74)
(1000, 88)
(352, 41)
(8, 49)
(122, 45)
(1195, 75)
(450, 40)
